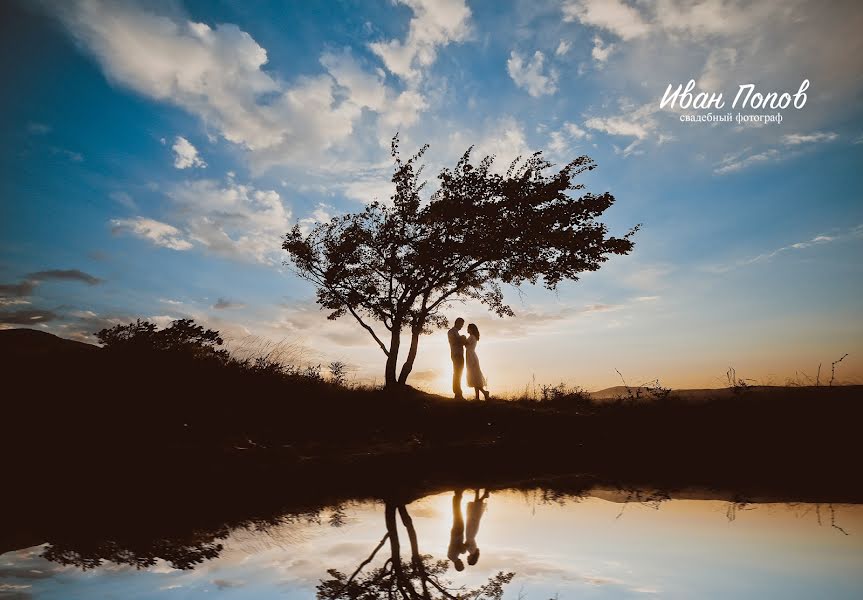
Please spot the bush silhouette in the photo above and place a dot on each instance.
(182, 336)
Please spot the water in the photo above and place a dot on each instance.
(596, 546)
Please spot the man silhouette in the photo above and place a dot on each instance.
(456, 351)
(456, 535)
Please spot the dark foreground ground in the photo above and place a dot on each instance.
(99, 448)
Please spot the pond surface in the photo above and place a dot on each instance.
(598, 546)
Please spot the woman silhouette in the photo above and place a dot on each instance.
(475, 511)
(475, 378)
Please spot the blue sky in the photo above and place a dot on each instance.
(155, 153)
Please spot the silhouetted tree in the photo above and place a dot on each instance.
(401, 264)
(182, 336)
(141, 554)
(420, 579)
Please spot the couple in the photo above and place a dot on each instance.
(461, 347)
(463, 539)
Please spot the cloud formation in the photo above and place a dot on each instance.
(435, 23)
(792, 144)
(530, 75)
(186, 155)
(226, 218)
(638, 122)
(231, 219)
(505, 139)
(721, 44)
(855, 233)
(156, 232)
(219, 74)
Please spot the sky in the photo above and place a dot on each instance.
(156, 152)
(592, 547)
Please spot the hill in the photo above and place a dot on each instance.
(35, 343)
(199, 420)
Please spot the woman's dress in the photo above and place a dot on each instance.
(475, 378)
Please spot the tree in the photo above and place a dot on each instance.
(423, 578)
(402, 264)
(182, 336)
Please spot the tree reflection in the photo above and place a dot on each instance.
(143, 553)
(422, 578)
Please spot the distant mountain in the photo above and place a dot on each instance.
(612, 393)
(34, 343)
(644, 393)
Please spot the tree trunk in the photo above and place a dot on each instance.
(395, 548)
(390, 380)
(412, 354)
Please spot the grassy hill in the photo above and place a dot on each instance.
(95, 417)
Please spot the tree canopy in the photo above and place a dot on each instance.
(181, 336)
(401, 264)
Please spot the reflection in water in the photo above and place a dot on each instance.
(539, 543)
(456, 537)
(421, 578)
(475, 510)
(463, 540)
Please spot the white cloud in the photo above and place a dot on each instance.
(160, 234)
(637, 122)
(322, 213)
(228, 219)
(186, 155)
(505, 139)
(529, 75)
(724, 43)
(369, 187)
(700, 19)
(232, 219)
(218, 74)
(855, 233)
(694, 19)
(214, 73)
(562, 48)
(631, 148)
(720, 63)
(737, 162)
(171, 302)
(601, 51)
(435, 23)
(162, 321)
(403, 110)
(612, 15)
(575, 131)
(560, 141)
(12, 301)
(367, 89)
(558, 144)
(796, 139)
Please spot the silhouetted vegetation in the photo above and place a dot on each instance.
(170, 420)
(420, 579)
(400, 265)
